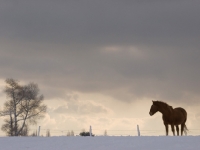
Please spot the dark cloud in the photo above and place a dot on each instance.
(127, 50)
(104, 22)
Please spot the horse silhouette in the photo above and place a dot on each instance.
(170, 116)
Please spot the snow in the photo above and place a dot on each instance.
(101, 143)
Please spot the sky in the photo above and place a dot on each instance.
(101, 63)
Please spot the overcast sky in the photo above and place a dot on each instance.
(101, 63)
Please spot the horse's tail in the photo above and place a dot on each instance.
(185, 129)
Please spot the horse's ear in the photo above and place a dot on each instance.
(153, 101)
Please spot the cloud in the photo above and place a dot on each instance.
(82, 108)
(123, 74)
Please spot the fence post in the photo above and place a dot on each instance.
(90, 130)
(39, 131)
(138, 130)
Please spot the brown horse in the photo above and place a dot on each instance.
(170, 116)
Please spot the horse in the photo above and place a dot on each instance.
(170, 116)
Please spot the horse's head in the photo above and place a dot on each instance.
(153, 109)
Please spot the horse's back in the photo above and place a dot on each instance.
(182, 110)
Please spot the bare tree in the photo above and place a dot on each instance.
(24, 105)
(25, 130)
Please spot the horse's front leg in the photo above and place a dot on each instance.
(172, 126)
(166, 128)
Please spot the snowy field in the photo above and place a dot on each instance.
(101, 143)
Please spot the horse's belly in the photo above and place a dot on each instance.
(177, 120)
(174, 121)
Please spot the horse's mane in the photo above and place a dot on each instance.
(163, 104)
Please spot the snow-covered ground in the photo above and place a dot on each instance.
(101, 143)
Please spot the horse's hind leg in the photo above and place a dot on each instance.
(172, 126)
(166, 128)
(182, 128)
(177, 129)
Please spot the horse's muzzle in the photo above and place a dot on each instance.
(150, 113)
